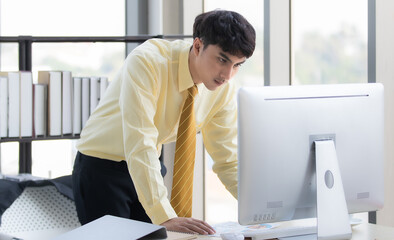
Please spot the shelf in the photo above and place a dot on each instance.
(30, 139)
(51, 39)
(25, 64)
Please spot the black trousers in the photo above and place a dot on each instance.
(104, 187)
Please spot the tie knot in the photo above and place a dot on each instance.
(193, 90)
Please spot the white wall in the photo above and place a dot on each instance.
(385, 75)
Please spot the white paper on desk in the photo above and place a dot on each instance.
(234, 227)
(111, 227)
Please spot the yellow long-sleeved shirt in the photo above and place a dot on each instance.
(140, 111)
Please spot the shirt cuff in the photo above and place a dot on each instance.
(161, 212)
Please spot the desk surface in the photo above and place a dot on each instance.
(363, 231)
(369, 231)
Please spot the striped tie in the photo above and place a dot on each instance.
(185, 151)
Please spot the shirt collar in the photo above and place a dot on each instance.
(185, 80)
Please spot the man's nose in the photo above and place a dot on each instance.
(227, 73)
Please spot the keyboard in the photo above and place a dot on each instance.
(282, 232)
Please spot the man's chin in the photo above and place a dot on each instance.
(212, 87)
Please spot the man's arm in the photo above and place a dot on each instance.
(138, 103)
(220, 140)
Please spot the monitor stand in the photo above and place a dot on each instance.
(332, 213)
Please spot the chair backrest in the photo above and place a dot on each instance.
(39, 208)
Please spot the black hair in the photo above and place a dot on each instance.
(230, 30)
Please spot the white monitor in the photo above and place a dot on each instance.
(288, 135)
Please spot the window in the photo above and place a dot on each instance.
(60, 18)
(330, 41)
(329, 45)
(220, 205)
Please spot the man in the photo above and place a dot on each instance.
(117, 169)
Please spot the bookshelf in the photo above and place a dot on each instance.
(25, 64)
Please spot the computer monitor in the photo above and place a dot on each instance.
(286, 133)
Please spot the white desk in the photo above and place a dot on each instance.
(369, 231)
(364, 231)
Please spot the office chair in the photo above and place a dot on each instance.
(39, 208)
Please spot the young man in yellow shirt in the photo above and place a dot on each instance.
(117, 169)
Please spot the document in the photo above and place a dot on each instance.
(53, 79)
(3, 107)
(111, 227)
(67, 94)
(26, 104)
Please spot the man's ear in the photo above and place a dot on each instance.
(197, 45)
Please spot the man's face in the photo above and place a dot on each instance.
(216, 67)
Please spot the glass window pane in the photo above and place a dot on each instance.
(9, 158)
(220, 205)
(329, 43)
(82, 59)
(9, 57)
(60, 18)
(52, 158)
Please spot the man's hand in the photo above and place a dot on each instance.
(188, 225)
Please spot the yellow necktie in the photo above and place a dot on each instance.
(185, 151)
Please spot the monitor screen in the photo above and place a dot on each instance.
(277, 130)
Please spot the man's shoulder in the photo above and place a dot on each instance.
(166, 42)
(163, 45)
(159, 50)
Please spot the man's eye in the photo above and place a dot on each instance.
(222, 60)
